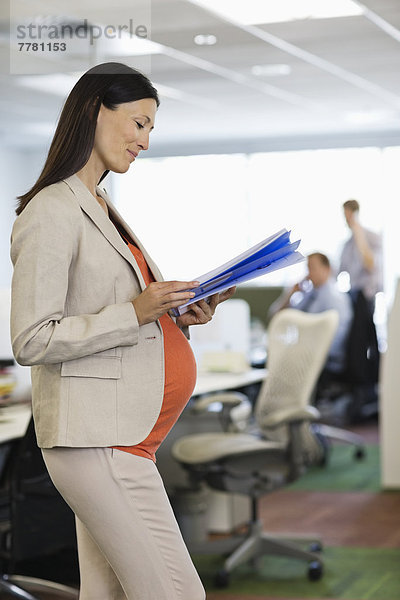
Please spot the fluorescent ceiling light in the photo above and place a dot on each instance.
(168, 92)
(175, 94)
(272, 70)
(370, 116)
(58, 84)
(128, 46)
(252, 12)
(205, 39)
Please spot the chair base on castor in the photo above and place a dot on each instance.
(341, 435)
(258, 544)
(250, 547)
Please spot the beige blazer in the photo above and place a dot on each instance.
(97, 377)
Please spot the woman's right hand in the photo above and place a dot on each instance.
(159, 297)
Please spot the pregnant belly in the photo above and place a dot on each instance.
(180, 379)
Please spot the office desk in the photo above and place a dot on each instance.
(14, 421)
(216, 382)
(14, 418)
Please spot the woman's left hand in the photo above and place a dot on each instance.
(202, 312)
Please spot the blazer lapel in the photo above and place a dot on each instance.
(94, 211)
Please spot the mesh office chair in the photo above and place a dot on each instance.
(34, 521)
(279, 446)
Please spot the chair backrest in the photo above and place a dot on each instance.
(298, 345)
(362, 351)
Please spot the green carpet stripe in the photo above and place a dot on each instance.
(349, 574)
(343, 473)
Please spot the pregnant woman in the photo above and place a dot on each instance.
(111, 369)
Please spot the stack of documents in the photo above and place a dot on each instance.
(273, 253)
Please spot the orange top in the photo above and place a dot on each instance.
(180, 376)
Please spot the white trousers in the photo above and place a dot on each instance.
(129, 543)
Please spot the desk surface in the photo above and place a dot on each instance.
(14, 418)
(208, 382)
(14, 421)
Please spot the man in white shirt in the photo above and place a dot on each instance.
(317, 293)
(361, 256)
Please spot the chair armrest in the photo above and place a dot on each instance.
(234, 410)
(227, 399)
(290, 415)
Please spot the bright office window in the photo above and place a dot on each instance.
(190, 212)
(195, 212)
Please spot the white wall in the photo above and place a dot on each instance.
(389, 401)
(9, 185)
(19, 171)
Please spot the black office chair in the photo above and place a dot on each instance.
(35, 521)
(360, 376)
(351, 395)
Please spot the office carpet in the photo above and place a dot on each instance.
(350, 573)
(344, 472)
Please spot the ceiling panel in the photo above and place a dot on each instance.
(344, 78)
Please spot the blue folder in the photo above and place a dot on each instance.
(275, 252)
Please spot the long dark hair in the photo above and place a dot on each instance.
(107, 83)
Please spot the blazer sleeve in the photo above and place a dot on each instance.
(44, 239)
